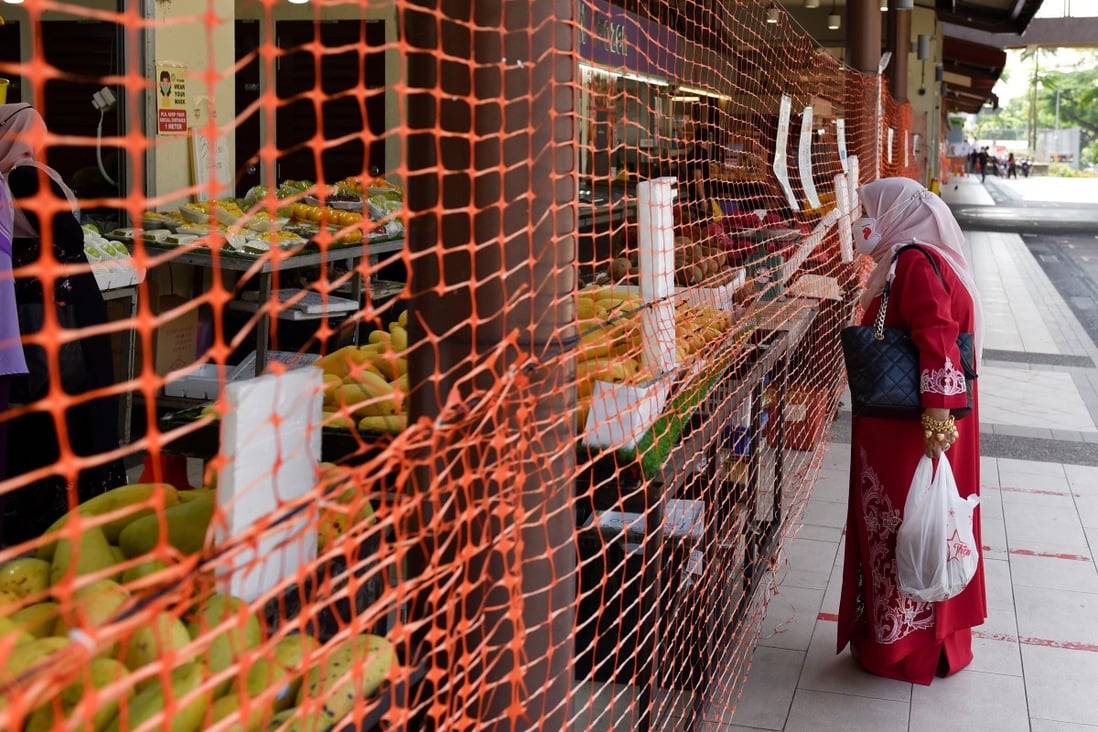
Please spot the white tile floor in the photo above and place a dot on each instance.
(1036, 657)
(1035, 399)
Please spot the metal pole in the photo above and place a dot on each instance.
(1058, 147)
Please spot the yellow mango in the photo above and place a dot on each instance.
(332, 682)
(25, 576)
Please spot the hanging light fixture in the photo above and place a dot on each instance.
(833, 20)
(884, 6)
(812, 3)
(773, 15)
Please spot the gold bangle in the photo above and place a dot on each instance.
(940, 426)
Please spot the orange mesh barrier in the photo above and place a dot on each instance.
(418, 365)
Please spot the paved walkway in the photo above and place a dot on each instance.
(1036, 665)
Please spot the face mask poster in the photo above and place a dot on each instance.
(171, 99)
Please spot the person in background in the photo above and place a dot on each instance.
(1012, 166)
(91, 426)
(981, 162)
(892, 634)
(12, 362)
(694, 171)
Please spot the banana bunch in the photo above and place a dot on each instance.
(696, 326)
(610, 342)
(366, 387)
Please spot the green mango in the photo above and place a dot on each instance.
(92, 554)
(242, 633)
(187, 524)
(149, 703)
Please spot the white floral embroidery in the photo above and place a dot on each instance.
(948, 381)
(894, 615)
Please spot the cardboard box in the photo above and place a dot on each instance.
(175, 340)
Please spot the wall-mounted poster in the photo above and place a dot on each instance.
(171, 99)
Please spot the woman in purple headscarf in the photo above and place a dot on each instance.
(44, 212)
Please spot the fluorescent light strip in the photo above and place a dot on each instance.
(702, 92)
(625, 75)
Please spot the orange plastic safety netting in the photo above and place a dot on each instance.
(417, 365)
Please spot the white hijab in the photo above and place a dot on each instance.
(926, 220)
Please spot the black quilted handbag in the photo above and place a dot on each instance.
(882, 365)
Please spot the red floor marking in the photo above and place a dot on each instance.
(977, 633)
(1051, 555)
(1047, 555)
(1036, 491)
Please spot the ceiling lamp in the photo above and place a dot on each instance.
(833, 20)
(14, 2)
(884, 6)
(773, 15)
(812, 3)
(298, 2)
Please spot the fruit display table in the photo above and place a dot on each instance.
(264, 269)
(734, 522)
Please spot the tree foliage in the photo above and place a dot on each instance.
(1077, 84)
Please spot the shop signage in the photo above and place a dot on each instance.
(617, 39)
(171, 99)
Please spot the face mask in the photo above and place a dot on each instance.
(866, 237)
(866, 230)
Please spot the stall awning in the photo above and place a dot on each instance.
(969, 72)
(993, 16)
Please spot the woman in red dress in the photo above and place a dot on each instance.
(892, 634)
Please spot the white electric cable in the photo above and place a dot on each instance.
(99, 150)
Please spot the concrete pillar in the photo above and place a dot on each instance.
(899, 43)
(863, 44)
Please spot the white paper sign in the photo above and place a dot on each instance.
(656, 257)
(781, 165)
(270, 438)
(842, 205)
(840, 135)
(891, 137)
(621, 413)
(907, 150)
(804, 162)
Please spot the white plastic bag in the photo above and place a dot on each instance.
(936, 552)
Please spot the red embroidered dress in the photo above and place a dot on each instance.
(892, 634)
